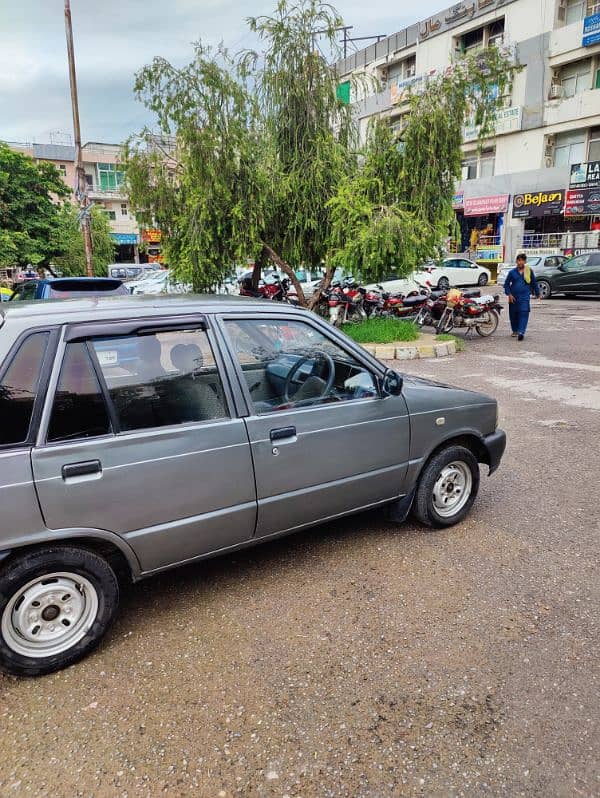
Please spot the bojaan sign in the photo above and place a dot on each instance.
(539, 203)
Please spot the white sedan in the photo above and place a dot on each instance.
(392, 284)
(452, 271)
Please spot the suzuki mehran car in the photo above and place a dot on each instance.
(141, 433)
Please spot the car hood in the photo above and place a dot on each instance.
(422, 395)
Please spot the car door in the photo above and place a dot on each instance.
(138, 438)
(454, 270)
(593, 273)
(324, 441)
(574, 276)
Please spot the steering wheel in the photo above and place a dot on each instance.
(328, 384)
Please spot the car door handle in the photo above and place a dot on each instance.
(87, 468)
(282, 434)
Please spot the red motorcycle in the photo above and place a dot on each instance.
(399, 305)
(466, 309)
(346, 302)
(274, 289)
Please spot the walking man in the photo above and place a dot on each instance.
(520, 284)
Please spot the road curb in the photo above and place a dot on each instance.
(400, 350)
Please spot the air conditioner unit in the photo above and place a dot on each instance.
(549, 147)
(557, 90)
(549, 162)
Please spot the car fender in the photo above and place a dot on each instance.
(77, 533)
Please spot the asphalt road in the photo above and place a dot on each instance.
(361, 659)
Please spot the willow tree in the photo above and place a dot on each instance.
(399, 200)
(201, 179)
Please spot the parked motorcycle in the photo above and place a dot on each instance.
(466, 309)
(275, 290)
(346, 302)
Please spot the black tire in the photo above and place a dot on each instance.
(485, 332)
(424, 509)
(483, 279)
(443, 284)
(545, 288)
(35, 564)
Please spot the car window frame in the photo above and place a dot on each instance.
(45, 375)
(94, 330)
(242, 385)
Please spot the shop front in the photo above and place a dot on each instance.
(582, 208)
(153, 241)
(127, 250)
(481, 221)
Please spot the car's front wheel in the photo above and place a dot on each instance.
(545, 289)
(483, 279)
(56, 604)
(447, 487)
(443, 284)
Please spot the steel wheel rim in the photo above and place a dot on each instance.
(452, 489)
(49, 615)
(544, 289)
(489, 326)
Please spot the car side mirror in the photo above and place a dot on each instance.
(391, 384)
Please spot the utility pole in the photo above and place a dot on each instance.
(81, 190)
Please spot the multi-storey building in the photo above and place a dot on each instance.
(105, 187)
(536, 183)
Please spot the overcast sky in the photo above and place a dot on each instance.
(113, 39)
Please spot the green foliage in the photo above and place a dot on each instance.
(67, 242)
(262, 161)
(460, 342)
(382, 331)
(28, 208)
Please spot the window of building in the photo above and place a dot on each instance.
(487, 36)
(576, 77)
(63, 169)
(576, 11)
(594, 146)
(79, 410)
(89, 180)
(409, 67)
(110, 215)
(18, 387)
(496, 34)
(109, 177)
(161, 379)
(482, 165)
(290, 364)
(123, 209)
(569, 148)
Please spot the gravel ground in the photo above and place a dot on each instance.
(361, 659)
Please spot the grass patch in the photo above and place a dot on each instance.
(382, 331)
(460, 344)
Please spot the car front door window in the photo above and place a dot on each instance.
(289, 364)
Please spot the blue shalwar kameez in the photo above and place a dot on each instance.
(517, 286)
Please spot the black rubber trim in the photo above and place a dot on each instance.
(146, 326)
(495, 444)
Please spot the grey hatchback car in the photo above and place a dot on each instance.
(138, 434)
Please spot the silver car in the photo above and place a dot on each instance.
(139, 434)
(539, 264)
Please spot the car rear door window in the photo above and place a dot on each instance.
(18, 388)
(79, 409)
(161, 379)
(25, 292)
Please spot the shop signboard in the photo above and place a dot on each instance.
(125, 238)
(585, 175)
(583, 202)
(507, 120)
(482, 206)
(401, 89)
(493, 253)
(457, 15)
(458, 201)
(538, 203)
(151, 236)
(591, 30)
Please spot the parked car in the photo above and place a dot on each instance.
(257, 419)
(159, 283)
(454, 270)
(541, 264)
(579, 275)
(393, 284)
(62, 287)
(131, 271)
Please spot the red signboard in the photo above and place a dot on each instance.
(482, 206)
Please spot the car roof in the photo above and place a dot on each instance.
(61, 311)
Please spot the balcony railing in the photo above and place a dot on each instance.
(559, 241)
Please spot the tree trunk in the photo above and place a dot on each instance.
(325, 283)
(285, 267)
(259, 265)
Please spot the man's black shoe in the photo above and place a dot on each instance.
(520, 337)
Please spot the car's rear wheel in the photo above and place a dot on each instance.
(443, 284)
(483, 279)
(545, 289)
(447, 487)
(55, 605)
